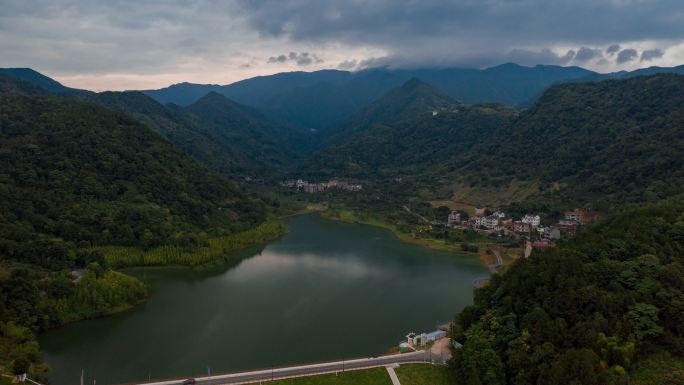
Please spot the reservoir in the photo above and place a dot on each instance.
(325, 290)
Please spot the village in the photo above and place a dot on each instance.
(529, 226)
(302, 185)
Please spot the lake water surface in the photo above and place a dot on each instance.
(326, 290)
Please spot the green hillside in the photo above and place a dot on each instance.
(79, 173)
(232, 139)
(586, 312)
(10, 84)
(411, 129)
(610, 143)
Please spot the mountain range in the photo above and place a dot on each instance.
(571, 143)
(233, 139)
(324, 99)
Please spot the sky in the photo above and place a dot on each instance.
(123, 44)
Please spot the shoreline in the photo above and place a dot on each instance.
(227, 260)
(350, 216)
(403, 237)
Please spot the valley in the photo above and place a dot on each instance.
(566, 184)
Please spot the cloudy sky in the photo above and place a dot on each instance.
(122, 44)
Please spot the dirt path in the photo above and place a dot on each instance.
(408, 210)
(441, 349)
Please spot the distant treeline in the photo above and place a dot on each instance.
(211, 249)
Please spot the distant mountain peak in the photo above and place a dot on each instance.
(413, 83)
(506, 65)
(416, 88)
(212, 95)
(215, 99)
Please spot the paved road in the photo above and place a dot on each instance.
(306, 370)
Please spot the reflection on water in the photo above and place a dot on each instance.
(325, 290)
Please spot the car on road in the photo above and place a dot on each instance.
(189, 381)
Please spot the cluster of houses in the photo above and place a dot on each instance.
(527, 225)
(302, 185)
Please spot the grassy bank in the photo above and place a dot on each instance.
(422, 374)
(215, 250)
(350, 216)
(375, 376)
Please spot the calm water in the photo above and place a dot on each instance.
(326, 290)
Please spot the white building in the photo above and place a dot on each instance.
(491, 221)
(454, 217)
(532, 220)
(414, 339)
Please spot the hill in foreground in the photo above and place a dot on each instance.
(82, 174)
(589, 311)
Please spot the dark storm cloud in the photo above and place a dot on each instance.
(466, 31)
(626, 55)
(651, 54)
(613, 49)
(277, 59)
(80, 38)
(545, 55)
(586, 54)
(301, 59)
(347, 65)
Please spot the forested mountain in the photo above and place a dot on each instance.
(230, 138)
(10, 84)
(410, 129)
(411, 100)
(323, 99)
(610, 143)
(30, 76)
(585, 312)
(235, 140)
(76, 174)
(262, 145)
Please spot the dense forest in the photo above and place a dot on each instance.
(408, 131)
(234, 140)
(607, 143)
(584, 312)
(74, 172)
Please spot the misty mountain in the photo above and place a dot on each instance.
(323, 99)
(411, 128)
